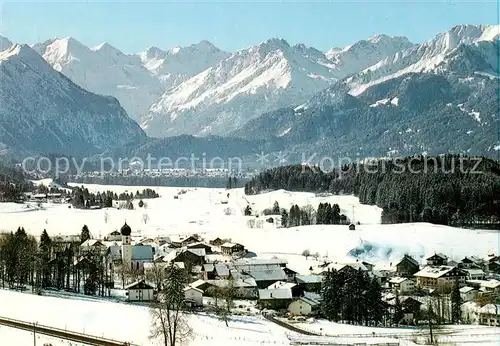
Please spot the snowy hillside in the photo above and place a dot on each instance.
(104, 70)
(250, 82)
(44, 111)
(426, 57)
(364, 53)
(201, 211)
(176, 65)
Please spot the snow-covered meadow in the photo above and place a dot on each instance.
(125, 322)
(201, 211)
(204, 211)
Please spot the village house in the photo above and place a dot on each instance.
(217, 242)
(485, 286)
(140, 291)
(307, 305)
(467, 294)
(113, 236)
(489, 315)
(494, 264)
(290, 273)
(94, 246)
(193, 296)
(410, 306)
(407, 267)
(222, 271)
(201, 245)
(275, 299)
(310, 283)
(474, 273)
(183, 241)
(402, 285)
(437, 259)
(265, 277)
(231, 248)
(191, 257)
(296, 291)
(440, 278)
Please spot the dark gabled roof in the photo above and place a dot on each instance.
(467, 260)
(410, 259)
(437, 255)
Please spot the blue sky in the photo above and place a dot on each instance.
(233, 25)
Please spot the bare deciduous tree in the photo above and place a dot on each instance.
(168, 319)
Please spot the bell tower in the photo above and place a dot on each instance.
(126, 246)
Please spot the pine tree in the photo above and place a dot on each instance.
(45, 250)
(456, 303)
(284, 218)
(276, 208)
(398, 310)
(85, 234)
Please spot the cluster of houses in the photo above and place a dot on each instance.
(477, 278)
(274, 285)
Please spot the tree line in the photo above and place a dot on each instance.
(83, 199)
(352, 296)
(325, 214)
(444, 190)
(52, 263)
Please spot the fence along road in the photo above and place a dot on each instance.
(62, 334)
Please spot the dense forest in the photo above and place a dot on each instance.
(450, 190)
(83, 199)
(52, 263)
(13, 183)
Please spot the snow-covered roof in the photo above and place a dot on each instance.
(466, 289)
(282, 293)
(397, 280)
(221, 269)
(259, 261)
(491, 284)
(490, 309)
(140, 284)
(474, 271)
(340, 266)
(189, 288)
(281, 284)
(309, 279)
(310, 301)
(434, 272)
(277, 275)
(92, 242)
(230, 245)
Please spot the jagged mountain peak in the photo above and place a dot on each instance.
(5, 43)
(429, 56)
(106, 48)
(22, 52)
(56, 114)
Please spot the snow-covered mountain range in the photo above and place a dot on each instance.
(175, 65)
(104, 70)
(43, 111)
(440, 96)
(203, 90)
(295, 96)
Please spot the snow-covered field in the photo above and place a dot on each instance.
(200, 211)
(126, 322)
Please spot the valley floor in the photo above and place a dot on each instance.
(212, 213)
